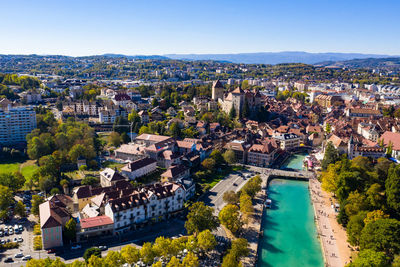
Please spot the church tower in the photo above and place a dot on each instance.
(217, 91)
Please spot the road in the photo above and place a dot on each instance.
(172, 228)
(232, 182)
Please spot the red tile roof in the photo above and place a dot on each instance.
(95, 221)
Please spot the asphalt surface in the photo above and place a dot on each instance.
(174, 227)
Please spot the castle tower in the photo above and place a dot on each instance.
(238, 99)
(350, 148)
(217, 91)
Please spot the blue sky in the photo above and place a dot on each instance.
(89, 27)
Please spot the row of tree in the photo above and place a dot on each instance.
(369, 196)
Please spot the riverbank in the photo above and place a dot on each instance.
(252, 231)
(332, 236)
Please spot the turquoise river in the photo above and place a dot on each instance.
(290, 234)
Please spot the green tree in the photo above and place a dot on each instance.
(206, 240)
(382, 235)
(130, 254)
(200, 218)
(331, 156)
(13, 181)
(175, 130)
(190, 260)
(95, 261)
(216, 155)
(208, 164)
(246, 206)
(91, 251)
(162, 246)
(374, 216)
(114, 258)
(354, 228)
(229, 156)
(232, 113)
(229, 217)
(392, 189)
(36, 201)
(147, 253)
(174, 262)
(240, 248)
(70, 230)
(20, 209)
(6, 198)
(369, 257)
(230, 260)
(230, 197)
(252, 187)
(114, 139)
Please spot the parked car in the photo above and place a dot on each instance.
(27, 257)
(15, 239)
(52, 250)
(103, 248)
(9, 259)
(20, 239)
(18, 255)
(77, 246)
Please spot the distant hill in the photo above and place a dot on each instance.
(368, 63)
(135, 57)
(275, 57)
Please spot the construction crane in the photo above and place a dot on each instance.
(125, 125)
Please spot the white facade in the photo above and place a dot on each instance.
(15, 124)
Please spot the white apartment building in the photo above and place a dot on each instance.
(16, 123)
(140, 167)
(288, 141)
(151, 203)
(368, 131)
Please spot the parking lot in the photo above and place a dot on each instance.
(23, 238)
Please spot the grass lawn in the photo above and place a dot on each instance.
(112, 165)
(9, 167)
(212, 180)
(27, 168)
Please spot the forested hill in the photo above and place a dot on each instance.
(392, 63)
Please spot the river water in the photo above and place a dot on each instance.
(290, 235)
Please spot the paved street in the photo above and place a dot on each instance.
(171, 228)
(233, 181)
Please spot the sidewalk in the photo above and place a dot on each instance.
(327, 234)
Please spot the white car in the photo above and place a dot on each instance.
(27, 258)
(19, 255)
(77, 246)
(19, 239)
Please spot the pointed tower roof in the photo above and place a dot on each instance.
(217, 84)
(238, 90)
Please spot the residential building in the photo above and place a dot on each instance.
(95, 226)
(15, 124)
(392, 139)
(288, 141)
(262, 155)
(130, 152)
(53, 217)
(109, 177)
(140, 167)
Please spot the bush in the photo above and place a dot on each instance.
(36, 229)
(10, 245)
(91, 251)
(37, 242)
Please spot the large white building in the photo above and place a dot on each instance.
(151, 203)
(15, 124)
